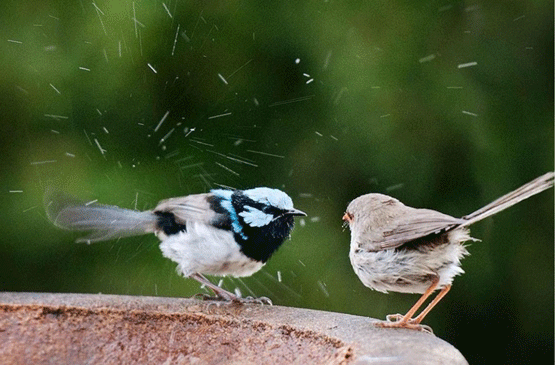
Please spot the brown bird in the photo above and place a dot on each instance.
(408, 250)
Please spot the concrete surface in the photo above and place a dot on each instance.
(40, 328)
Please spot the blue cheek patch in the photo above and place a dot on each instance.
(255, 217)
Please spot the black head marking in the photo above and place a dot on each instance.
(259, 243)
(259, 228)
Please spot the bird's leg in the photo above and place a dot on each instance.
(221, 294)
(406, 321)
(432, 304)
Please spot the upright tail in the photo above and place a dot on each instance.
(106, 222)
(534, 187)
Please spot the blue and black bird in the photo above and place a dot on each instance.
(224, 232)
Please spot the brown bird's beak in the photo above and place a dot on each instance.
(347, 217)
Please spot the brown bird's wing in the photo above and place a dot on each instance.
(394, 224)
(419, 223)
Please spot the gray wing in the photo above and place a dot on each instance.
(199, 207)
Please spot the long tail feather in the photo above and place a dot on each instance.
(534, 187)
(105, 222)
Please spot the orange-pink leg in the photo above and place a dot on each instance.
(406, 321)
(432, 304)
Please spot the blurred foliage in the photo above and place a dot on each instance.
(132, 102)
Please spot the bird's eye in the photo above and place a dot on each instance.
(348, 217)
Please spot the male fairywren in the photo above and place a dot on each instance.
(224, 232)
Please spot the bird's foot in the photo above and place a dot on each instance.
(399, 321)
(232, 299)
(253, 300)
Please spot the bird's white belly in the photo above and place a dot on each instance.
(208, 250)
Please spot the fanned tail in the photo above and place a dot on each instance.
(534, 187)
(106, 222)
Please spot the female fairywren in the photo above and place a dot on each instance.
(398, 248)
(224, 232)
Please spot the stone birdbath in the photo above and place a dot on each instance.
(41, 328)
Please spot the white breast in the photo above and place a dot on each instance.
(207, 250)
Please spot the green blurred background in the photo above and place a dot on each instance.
(442, 104)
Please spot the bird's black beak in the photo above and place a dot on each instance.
(295, 212)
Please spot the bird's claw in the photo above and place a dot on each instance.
(394, 317)
(425, 328)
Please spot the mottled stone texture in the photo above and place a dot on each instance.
(107, 329)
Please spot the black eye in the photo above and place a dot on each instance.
(273, 211)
